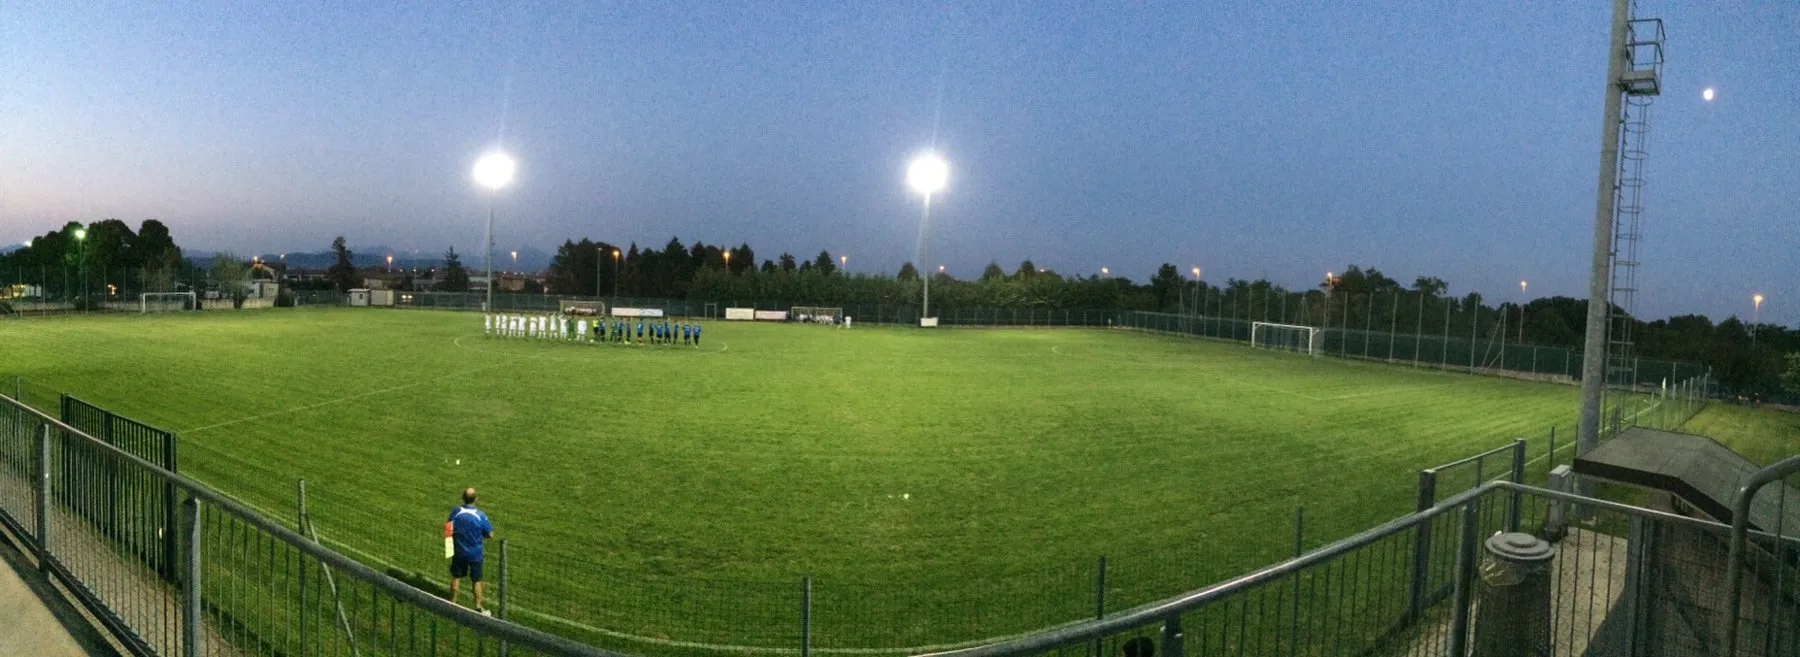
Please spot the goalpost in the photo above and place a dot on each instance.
(150, 302)
(816, 314)
(1287, 337)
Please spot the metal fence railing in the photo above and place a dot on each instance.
(244, 584)
(1618, 580)
(1473, 352)
(1629, 580)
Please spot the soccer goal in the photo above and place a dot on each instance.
(584, 308)
(816, 314)
(159, 302)
(1287, 337)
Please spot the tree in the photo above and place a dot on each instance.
(342, 274)
(908, 272)
(993, 272)
(1791, 378)
(824, 264)
(456, 279)
(160, 256)
(768, 267)
(1430, 286)
(232, 275)
(1026, 269)
(787, 262)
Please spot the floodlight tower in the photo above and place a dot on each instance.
(927, 175)
(492, 171)
(1633, 78)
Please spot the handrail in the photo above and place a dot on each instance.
(503, 630)
(1740, 526)
(1468, 459)
(1094, 629)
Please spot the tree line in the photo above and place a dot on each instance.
(1761, 359)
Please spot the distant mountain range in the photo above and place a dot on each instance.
(529, 259)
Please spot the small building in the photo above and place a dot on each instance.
(263, 288)
(359, 296)
(382, 298)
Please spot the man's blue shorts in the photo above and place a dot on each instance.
(461, 567)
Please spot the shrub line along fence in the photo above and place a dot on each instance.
(135, 523)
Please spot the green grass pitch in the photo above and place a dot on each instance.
(938, 486)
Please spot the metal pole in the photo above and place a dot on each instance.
(1474, 329)
(300, 557)
(925, 252)
(1419, 330)
(1444, 353)
(1593, 364)
(1393, 318)
(1421, 562)
(43, 498)
(1099, 599)
(1465, 579)
(505, 648)
(806, 616)
(1514, 511)
(190, 591)
(487, 256)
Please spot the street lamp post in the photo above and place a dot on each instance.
(615, 277)
(1755, 317)
(927, 175)
(492, 171)
(1522, 303)
(599, 257)
(81, 238)
(843, 263)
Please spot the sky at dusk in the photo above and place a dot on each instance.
(1454, 139)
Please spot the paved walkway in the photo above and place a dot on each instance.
(27, 625)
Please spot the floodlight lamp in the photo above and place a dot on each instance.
(928, 173)
(81, 233)
(495, 170)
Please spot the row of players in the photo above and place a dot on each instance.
(576, 329)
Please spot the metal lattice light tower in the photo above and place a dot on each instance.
(1633, 77)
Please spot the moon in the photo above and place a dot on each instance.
(1707, 95)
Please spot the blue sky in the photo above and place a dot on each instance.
(1281, 139)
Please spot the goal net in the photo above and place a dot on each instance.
(1287, 337)
(162, 302)
(816, 314)
(584, 308)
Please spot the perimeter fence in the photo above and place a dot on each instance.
(1468, 350)
(1622, 579)
(93, 515)
(1625, 580)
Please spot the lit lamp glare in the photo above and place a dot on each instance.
(928, 173)
(494, 170)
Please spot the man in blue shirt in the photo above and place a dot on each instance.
(469, 527)
(696, 335)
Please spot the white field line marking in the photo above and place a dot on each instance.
(629, 350)
(329, 402)
(1384, 391)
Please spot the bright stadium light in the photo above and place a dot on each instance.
(493, 171)
(81, 233)
(928, 174)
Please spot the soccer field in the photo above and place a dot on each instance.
(937, 486)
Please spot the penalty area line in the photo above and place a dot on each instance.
(329, 402)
